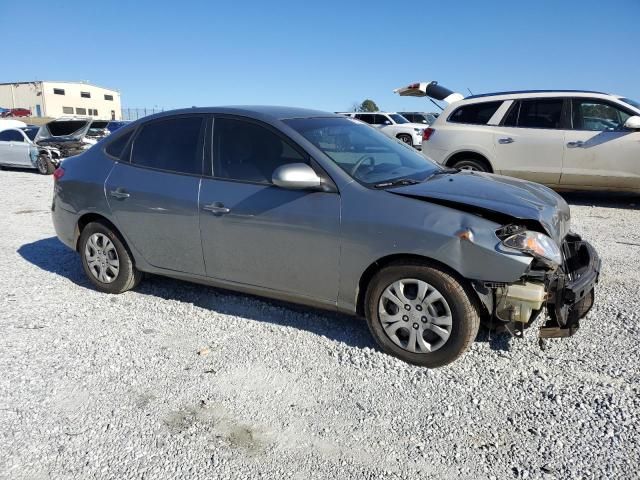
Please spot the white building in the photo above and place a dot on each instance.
(57, 99)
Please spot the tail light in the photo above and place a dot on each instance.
(426, 135)
(58, 173)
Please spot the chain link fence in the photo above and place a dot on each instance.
(134, 113)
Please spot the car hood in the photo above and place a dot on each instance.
(502, 199)
(64, 130)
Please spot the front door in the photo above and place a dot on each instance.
(154, 197)
(529, 144)
(15, 149)
(599, 150)
(258, 234)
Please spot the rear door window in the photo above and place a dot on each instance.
(475, 114)
(380, 120)
(174, 144)
(365, 118)
(540, 113)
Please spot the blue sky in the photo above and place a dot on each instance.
(324, 54)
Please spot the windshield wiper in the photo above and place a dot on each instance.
(443, 171)
(395, 183)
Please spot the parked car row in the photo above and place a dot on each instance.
(565, 139)
(393, 125)
(323, 210)
(43, 148)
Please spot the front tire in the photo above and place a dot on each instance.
(106, 261)
(421, 314)
(45, 166)
(472, 164)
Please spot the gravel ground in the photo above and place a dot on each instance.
(176, 379)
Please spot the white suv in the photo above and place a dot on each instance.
(566, 139)
(393, 125)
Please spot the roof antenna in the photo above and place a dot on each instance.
(470, 91)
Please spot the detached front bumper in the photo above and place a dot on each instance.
(571, 291)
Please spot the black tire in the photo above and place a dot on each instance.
(45, 166)
(473, 164)
(465, 318)
(127, 277)
(406, 139)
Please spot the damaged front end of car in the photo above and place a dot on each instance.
(71, 136)
(560, 280)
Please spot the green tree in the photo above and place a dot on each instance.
(368, 106)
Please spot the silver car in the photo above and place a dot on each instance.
(322, 210)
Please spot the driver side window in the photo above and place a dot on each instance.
(597, 116)
(248, 152)
(11, 136)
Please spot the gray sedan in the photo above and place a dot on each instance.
(322, 210)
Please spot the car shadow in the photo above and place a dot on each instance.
(629, 201)
(20, 169)
(51, 255)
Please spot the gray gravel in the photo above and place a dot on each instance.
(176, 379)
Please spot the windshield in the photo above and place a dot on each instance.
(398, 118)
(633, 103)
(31, 132)
(364, 153)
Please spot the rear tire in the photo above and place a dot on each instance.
(406, 139)
(431, 331)
(472, 164)
(106, 261)
(45, 166)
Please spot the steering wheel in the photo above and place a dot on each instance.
(360, 161)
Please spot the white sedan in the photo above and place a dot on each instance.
(18, 150)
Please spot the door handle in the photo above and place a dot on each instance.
(505, 141)
(577, 144)
(119, 193)
(216, 208)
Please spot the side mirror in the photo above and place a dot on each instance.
(296, 176)
(633, 123)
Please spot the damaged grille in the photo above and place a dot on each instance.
(575, 257)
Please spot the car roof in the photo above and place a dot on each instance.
(534, 93)
(264, 112)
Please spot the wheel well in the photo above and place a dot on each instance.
(399, 259)
(403, 135)
(87, 218)
(469, 155)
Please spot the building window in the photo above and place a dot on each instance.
(93, 112)
(108, 97)
(58, 91)
(67, 110)
(85, 94)
(81, 111)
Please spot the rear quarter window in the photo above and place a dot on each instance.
(475, 114)
(116, 147)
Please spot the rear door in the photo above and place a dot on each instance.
(255, 233)
(154, 195)
(529, 142)
(599, 150)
